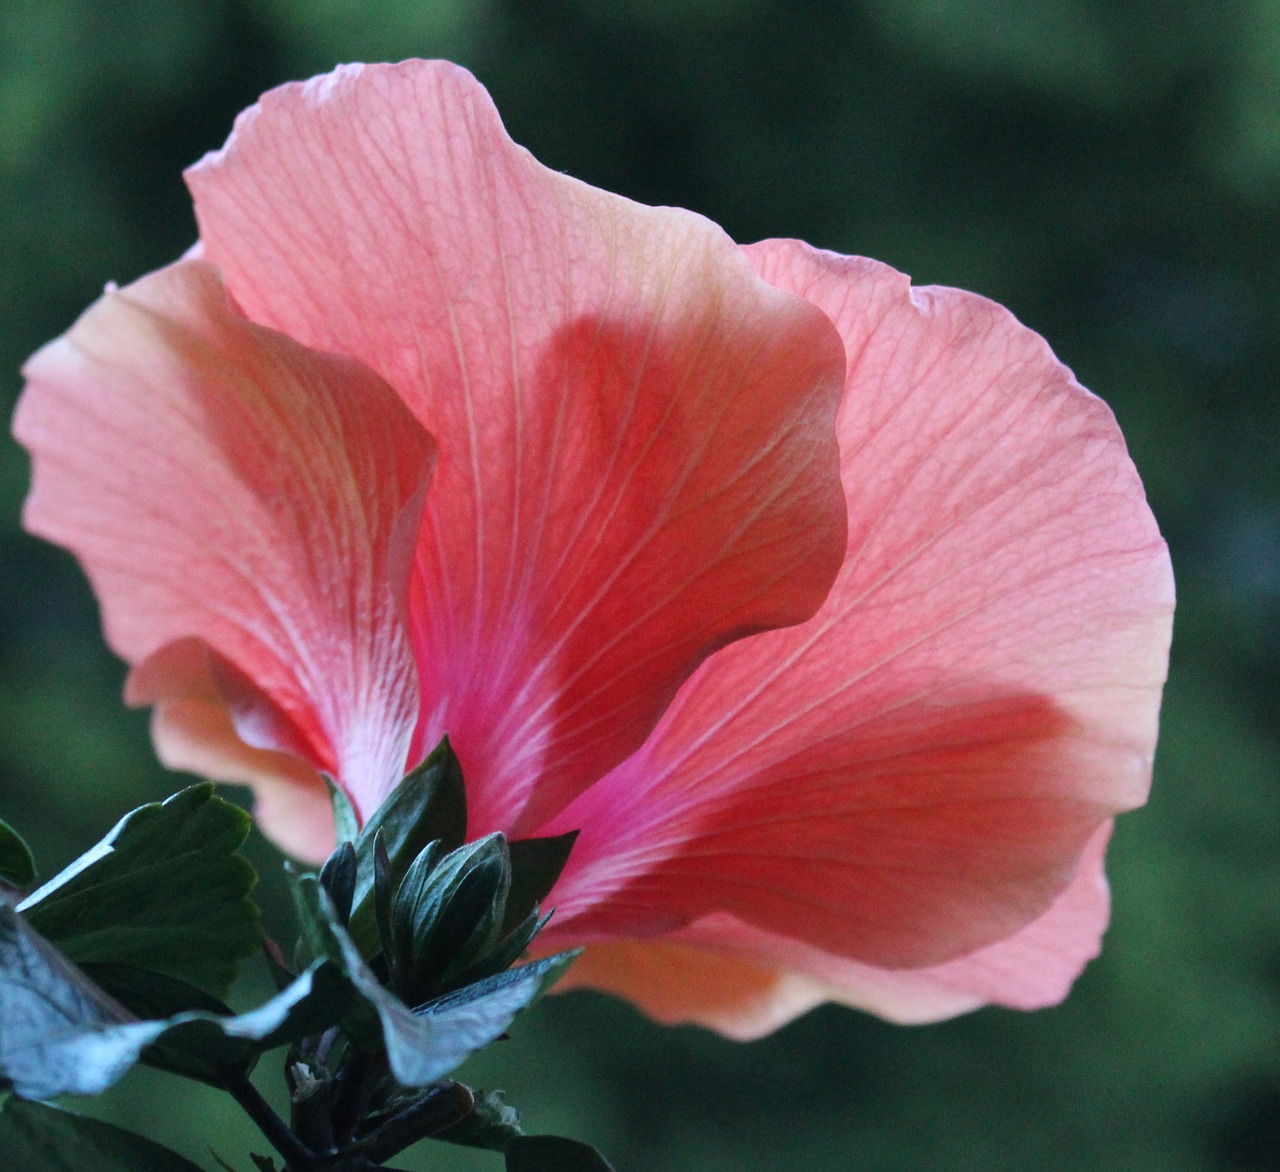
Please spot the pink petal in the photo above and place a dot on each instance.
(914, 773)
(746, 983)
(246, 510)
(637, 460)
(194, 729)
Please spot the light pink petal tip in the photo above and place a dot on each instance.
(637, 458)
(914, 773)
(246, 510)
(745, 983)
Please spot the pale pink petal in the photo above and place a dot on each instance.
(246, 510)
(914, 773)
(746, 983)
(678, 984)
(637, 458)
(194, 729)
(291, 802)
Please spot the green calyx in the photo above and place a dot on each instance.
(434, 912)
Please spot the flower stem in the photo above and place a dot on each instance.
(296, 1154)
(445, 1105)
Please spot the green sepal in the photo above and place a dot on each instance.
(531, 980)
(325, 939)
(165, 891)
(384, 896)
(346, 822)
(430, 803)
(448, 913)
(471, 1018)
(552, 1153)
(536, 864)
(338, 876)
(17, 864)
(62, 1034)
(508, 950)
(398, 919)
(35, 1137)
(470, 918)
(425, 1044)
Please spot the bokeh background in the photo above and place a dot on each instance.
(1110, 171)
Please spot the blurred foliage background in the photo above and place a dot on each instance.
(1109, 171)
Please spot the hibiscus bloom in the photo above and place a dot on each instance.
(829, 611)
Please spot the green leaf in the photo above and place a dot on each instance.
(422, 1045)
(346, 822)
(17, 865)
(61, 1034)
(48, 1011)
(430, 803)
(551, 1153)
(536, 864)
(203, 1045)
(150, 996)
(164, 891)
(35, 1137)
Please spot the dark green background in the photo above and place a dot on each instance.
(1109, 170)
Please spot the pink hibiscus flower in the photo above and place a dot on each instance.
(830, 611)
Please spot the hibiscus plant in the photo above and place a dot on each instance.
(405, 965)
(798, 633)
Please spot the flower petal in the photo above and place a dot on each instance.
(914, 773)
(637, 455)
(194, 729)
(746, 983)
(246, 509)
